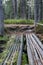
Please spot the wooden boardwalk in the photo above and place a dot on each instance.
(34, 51)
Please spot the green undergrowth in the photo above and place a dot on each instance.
(6, 47)
(3, 47)
(3, 55)
(19, 21)
(42, 41)
(41, 22)
(24, 59)
(15, 59)
(4, 38)
(39, 29)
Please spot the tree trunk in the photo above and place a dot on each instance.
(40, 10)
(29, 13)
(36, 10)
(14, 4)
(23, 9)
(1, 19)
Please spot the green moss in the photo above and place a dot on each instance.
(24, 59)
(19, 21)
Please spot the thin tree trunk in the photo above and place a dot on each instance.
(36, 13)
(23, 9)
(36, 10)
(1, 19)
(14, 4)
(40, 10)
(29, 13)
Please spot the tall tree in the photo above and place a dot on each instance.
(36, 10)
(14, 4)
(8, 9)
(23, 9)
(28, 13)
(1, 19)
(40, 10)
(29, 9)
